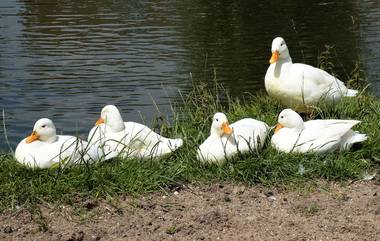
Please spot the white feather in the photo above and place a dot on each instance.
(53, 149)
(247, 135)
(314, 136)
(130, 139)
(297, 85)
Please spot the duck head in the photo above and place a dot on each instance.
(279, 50)
(288, 118)
(43, 130)
(111, 117)
(220, 125)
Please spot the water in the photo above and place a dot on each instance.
(65, 59)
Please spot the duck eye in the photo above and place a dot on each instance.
(43, 126)
(216, 119)
(282, 117)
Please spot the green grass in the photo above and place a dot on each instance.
(192, 118)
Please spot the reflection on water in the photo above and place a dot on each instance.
(65, 59)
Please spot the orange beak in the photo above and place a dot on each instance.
(99, 121)
(275, 56)
(278, 128)
(226, 128)
(32, 137)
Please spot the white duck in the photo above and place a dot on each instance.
(292, 134)
(129, 139)
(300, 85)
(43, 148)
(228, 140)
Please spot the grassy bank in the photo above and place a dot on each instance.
(192, 118)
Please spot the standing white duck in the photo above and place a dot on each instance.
(228, 140)
(43, 148)
(129, 139)
(292, 134)
(300, 85)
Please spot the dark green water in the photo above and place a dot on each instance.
(65, 59)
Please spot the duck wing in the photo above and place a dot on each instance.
(323, 135)
(249, 133)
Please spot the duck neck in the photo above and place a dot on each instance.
(283, 61)
(50, 139)
(281, 65)
(286, 60)
(215, 133)
(115, 123)
(299, 128)
(285, 57)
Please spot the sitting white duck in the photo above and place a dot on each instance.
(292, 134)
(228, 140)
(43, 148)
(129, 139)
(299, 85)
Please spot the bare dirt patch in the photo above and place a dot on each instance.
(212, 212)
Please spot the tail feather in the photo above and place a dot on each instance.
(352, 138)
(110, 155)
(174, 144)
(352, 93)
(165, 147)
(357, 137)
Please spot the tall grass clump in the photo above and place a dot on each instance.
(192, 114)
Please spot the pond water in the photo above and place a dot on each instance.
(65, 59)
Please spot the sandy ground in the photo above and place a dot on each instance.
(214, 212)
